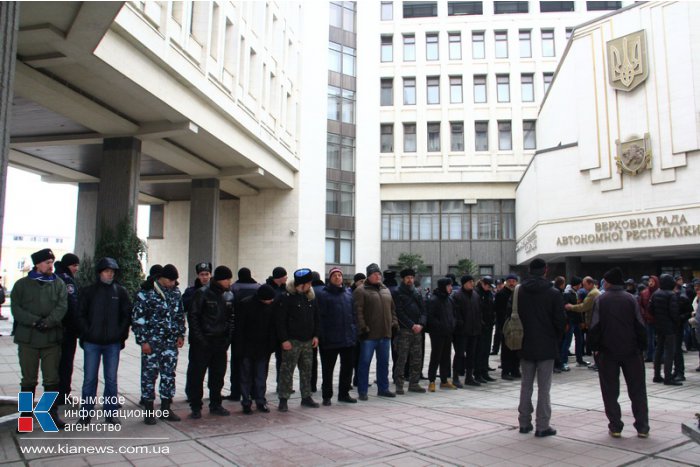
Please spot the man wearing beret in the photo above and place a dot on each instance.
(39, 303)
(297, 329)
(158, 322)
(66, 270)
(412, 317)
(211, 327)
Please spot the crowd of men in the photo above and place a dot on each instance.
(299, 317)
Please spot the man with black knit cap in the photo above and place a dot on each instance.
(210, 319)
(412, 318)
(467, 331)
(66, 270)
(617, 329)
(297, 322)
(158, 322)
(541, 310)
(39, 302)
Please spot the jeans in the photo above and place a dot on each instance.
(651, 341)
(367, 350)
(109, 354)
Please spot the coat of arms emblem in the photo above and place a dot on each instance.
(633, 156)
(627, 61)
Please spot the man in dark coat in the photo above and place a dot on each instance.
(664, 307)
(467, 331)
(488, 317)
(66, 270)
(541, 310)
(278, 282)
(441, 327)
(615, 324)
(510, 362)
(412, 317)
(203, 271)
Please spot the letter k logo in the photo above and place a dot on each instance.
(25, 403)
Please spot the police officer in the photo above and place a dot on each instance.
(203, 271)
(158, 322)
(66, 270)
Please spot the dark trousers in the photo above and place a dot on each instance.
(202, 358)
(666, 347)
(328, 359)
(440, 353)
(678, 360)
(65, 365)
(314, 370)
(510, 362)
(235, 376)
(578, 336)
(254, 380)
(459, 342)
(609, 376)
(498, 336)
(484, 349)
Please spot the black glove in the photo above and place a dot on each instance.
(41, 325)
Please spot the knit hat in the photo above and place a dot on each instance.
(575, 280)
(358, 277)
(372, 268)
(169, 272)
(201, 267)
(155, 271)
(407, 272)
(244, 274)
(42, 255)
(538, 266)
(265, 292)
(614, 277)
(279, 272)
(443, 282)
(302, 276)
(466, 278)
(221, 273)
(333, 271)
(69, 259)
(511, 276)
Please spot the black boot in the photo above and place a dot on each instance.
(149, 415)
(168, 414)
(53, 411)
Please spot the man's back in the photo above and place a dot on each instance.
(541, 310)
(616, 312)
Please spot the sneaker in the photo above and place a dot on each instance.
(386, 394)
(362, 397)
(309, 402)
(219, 410)
(431, 387)
(548, 432)
(447, 385)
(347, 398)
(615, 434)
(327, 402)
(565, 367)
(526, 429)
(416, 388)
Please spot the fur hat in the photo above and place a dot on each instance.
(69, 259)
(42, 255)
(302, 276)
(408, 272)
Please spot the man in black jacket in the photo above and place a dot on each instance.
(616, 319)
(510, 362)
(211, 326)
(664, 307)
(541, 310)
(203, 271)
(488, 317)
(410, 311)
(66, 270)
(467, 331)
(104, 315)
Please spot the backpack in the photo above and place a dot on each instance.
(513, 327)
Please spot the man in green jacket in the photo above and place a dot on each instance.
(39, 302)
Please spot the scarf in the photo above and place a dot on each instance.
(37, 276)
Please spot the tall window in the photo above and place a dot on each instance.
(409, 137)
(409, 48)
(505, 136)
(339, 246)
(415, 9)
(409, 91)
(457, 136)
(387, 48)
(553, 6)
(387, 93)
(503, 88)
(455, 39)
(501, 44)
(341, 59)
(396, 220)
(348, 110)
(527, 88)
(547, 80)
(387, 11)
(525, 44)
(454, 220)
(486, 220)
(433, 84)
(340, 152)
(507, 7)
(432, 47)
(334, 103)
(464, 8)
(340, 198)
(425, 220)
(433, 136)
(481, 136)
(478, 47)
(387, 137)
(456, 89)
(529, 141)
(548, 42)
(479, 89)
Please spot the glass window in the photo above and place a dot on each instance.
(569, 31)
(455, 220)
(432, 47)
(505, 137)
(501, 44)
(486, 218)
(409, 137)
(548, 42)
(409, 91)
(507, 7)
(457, 136)
(335, 57)
(455, 40)
(456, 89)
(409, 48)
(525, 44)
(479, 89)
(599, 6)
(529, 141)
(552, 6)
(433, 83)
(547, 80)
(481, 136)
(464, 8)
(425, 220)
(333, 151)
(485, 270)
(503, 88)
(478, 49)
(387, 92)
(339, 246)
(387, 11)
(347, 154)
(508, 219)
(387, 137)
(332, 198)
(348, 110)
(527, 88)
(334, 103)
(336, 15)
(433, 136)
(396, 220)
(387, 48)
(413, 9)
(348, 61)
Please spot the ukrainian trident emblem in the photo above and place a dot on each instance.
(633, 156)
(627, 61)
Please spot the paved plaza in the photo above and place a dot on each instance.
(457, 427)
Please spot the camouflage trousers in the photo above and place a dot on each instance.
(162, 360)
(408, 344)
(302, 354)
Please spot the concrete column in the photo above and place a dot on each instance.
(86, 220)
(119, 181)
(204, 219)
(573, 266)
(156, 222)
(9, 22)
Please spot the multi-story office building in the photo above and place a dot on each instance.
(448, 93)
